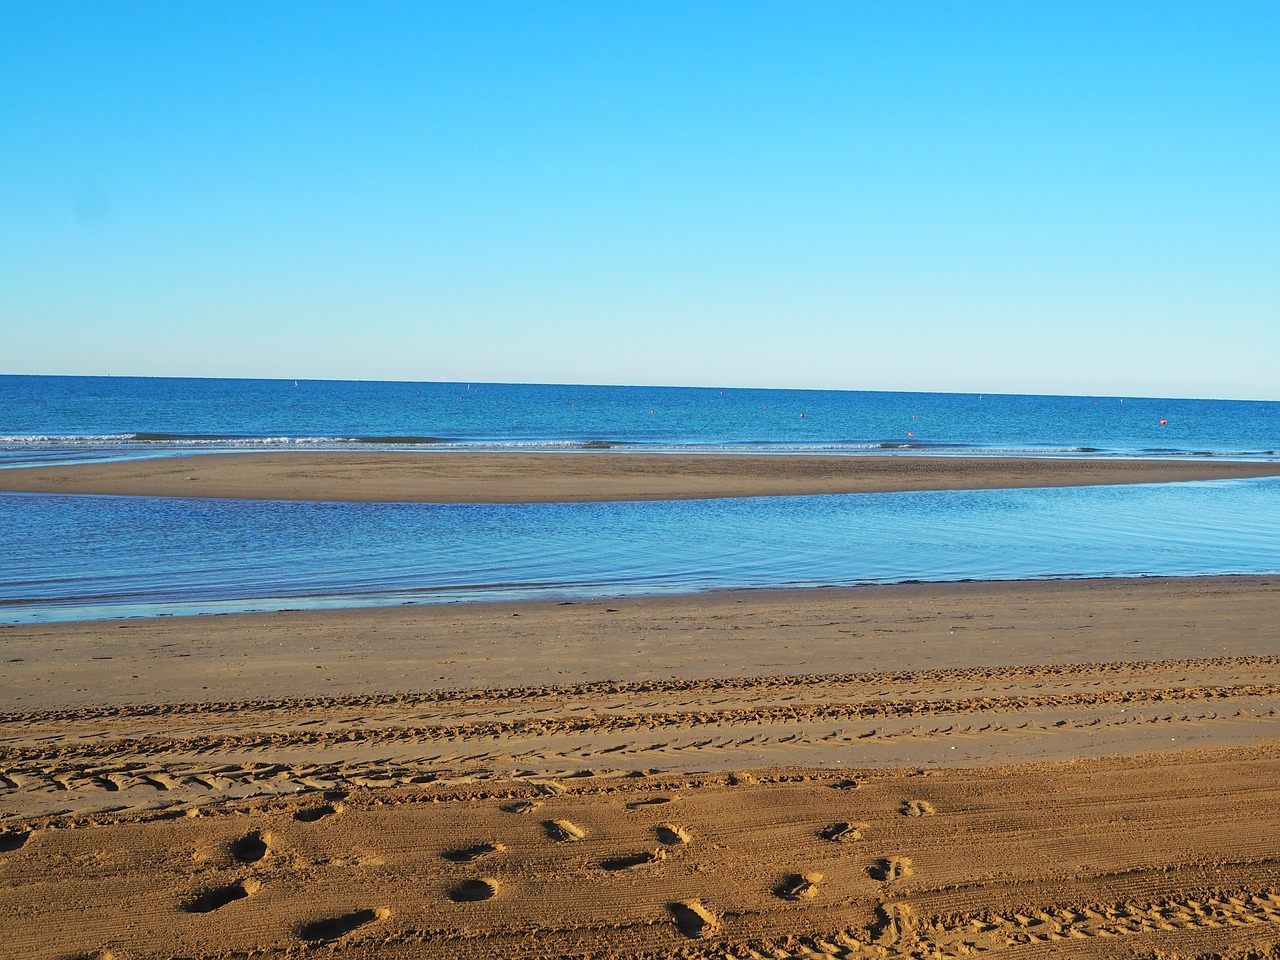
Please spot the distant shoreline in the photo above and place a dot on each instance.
(472, 477)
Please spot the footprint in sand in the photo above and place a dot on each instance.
(633, 860)
(842, 831)
(693, 918)
(672, 835)
(893, 923)
(312, 814)
(798, 886)
(473, 852)
(473, 891)
(14, 840)
(521, 806)
(331, 928)
(217, 897)
(917, 808)
(891, 868)
(563, 831)
(250, 848)
(651, 802)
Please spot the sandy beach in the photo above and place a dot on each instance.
(1084, 768)
(454, 477)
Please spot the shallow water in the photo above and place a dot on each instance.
(93, 557)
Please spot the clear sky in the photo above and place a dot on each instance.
(1026, 196)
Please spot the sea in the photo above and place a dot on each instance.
(96, 557)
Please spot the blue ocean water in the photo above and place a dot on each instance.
(92, 557)
(58, 418)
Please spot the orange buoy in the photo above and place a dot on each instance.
(1163, 422)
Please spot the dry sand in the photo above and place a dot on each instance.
(1083, 769)
(450, 477)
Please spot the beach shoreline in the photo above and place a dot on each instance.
(475, 477)
(693, 636)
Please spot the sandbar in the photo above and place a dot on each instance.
(455, 477)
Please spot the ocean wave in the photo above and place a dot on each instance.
(37, 440)
(204, 440)
(145, 443)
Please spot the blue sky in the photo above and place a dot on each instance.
(1013, 197)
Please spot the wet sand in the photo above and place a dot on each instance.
(453, 477)
(1085, 769)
